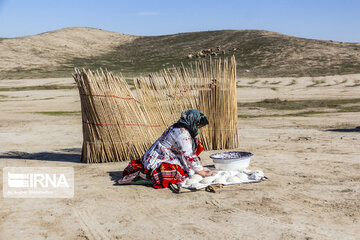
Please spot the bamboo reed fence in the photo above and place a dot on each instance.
(117, 126)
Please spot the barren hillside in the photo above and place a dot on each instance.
(48, 52)
(259, 53)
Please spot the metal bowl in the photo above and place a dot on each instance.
(234, 160)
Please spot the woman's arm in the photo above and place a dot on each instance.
(185, 146)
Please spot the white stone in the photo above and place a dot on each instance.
(220, 180)
(242, 176)
(233, 179)
(196, 177)
(208, 180)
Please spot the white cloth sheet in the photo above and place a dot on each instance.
(223, 177)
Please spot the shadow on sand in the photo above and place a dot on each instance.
(62, 155)
(115, 176)
(356, 129)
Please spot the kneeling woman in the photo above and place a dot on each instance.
(174, 156)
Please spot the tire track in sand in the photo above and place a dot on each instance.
(92, 228)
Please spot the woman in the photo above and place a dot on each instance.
(174, 156)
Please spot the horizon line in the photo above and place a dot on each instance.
(168, 34)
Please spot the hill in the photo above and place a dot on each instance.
(258, 53)
(50, 54)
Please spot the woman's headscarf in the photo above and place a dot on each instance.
(191, 120)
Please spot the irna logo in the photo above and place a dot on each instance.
(38, 182)
(34, 180)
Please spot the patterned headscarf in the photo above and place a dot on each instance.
(191, 119)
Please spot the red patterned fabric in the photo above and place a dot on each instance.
(166, 174)
(162, 176)
(134, 166)
(199, 147)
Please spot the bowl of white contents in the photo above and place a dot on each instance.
(231, 160)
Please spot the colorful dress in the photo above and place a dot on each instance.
(170, 159)
(173, 156)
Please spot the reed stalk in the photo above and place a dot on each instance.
(119, 127)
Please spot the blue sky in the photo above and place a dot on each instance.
(318, 19)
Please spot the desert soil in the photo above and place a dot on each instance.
(312, 162)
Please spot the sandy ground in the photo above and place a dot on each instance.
(313, 191)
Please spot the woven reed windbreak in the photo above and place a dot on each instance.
(117, 126)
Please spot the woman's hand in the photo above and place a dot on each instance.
(206, 172)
